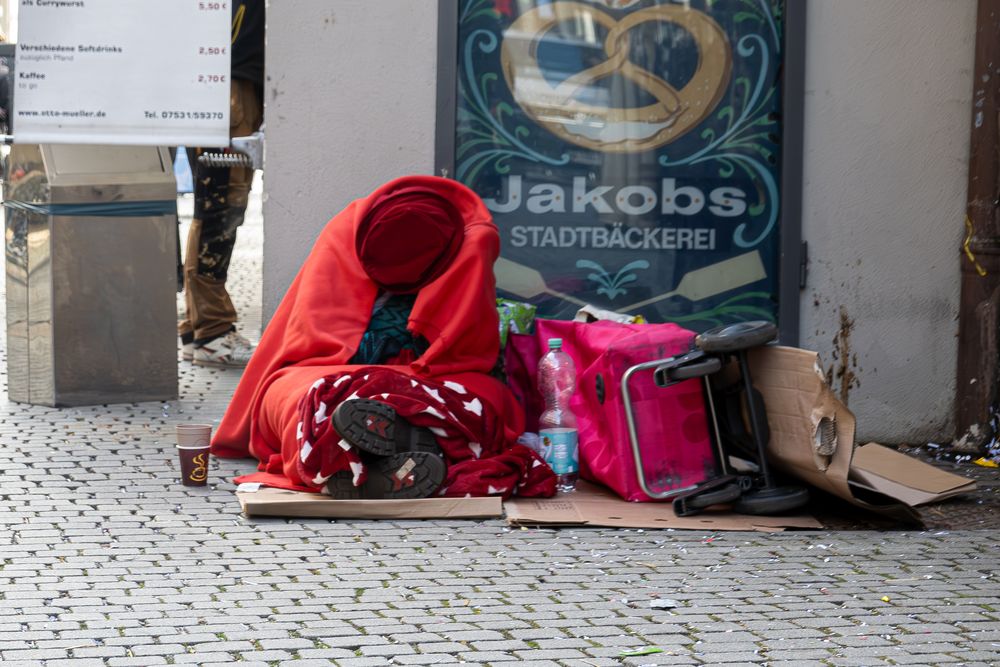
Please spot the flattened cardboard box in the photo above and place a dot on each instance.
(279, 502)
(812, 438)
(591, 505)
(903, 477)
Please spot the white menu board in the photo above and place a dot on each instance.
(142, 72)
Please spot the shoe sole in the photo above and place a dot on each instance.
(402, 476)
(375, 428)
(341, 486)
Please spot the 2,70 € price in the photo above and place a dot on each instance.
(212, 78)
(212, 6)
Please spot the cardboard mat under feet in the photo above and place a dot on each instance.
(589, 505)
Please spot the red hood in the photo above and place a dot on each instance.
(327, 309)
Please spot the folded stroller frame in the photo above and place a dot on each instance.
(749, 494)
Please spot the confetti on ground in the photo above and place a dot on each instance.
(648, 650)
(664, 603)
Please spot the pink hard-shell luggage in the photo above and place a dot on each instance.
(670, 424)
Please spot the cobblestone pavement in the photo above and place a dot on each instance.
(106, 559)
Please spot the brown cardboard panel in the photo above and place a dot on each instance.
(798, 403)
(278, 502)
(591, 505)
(905, 478)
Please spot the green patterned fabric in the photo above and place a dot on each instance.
(387, 337)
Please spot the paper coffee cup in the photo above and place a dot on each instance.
(194, 465)
(192, 449)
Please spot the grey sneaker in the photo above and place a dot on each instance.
(229, 351)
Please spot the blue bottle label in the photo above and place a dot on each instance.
(560, 449)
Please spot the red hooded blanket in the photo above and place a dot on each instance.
(323, 316)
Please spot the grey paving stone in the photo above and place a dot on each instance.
(925, 659)
(204, 658)
(426, 659)
(325, 653)
(362, 662)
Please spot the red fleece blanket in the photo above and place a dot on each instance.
(320, 322)
(480, 463)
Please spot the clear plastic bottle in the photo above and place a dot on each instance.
(557, 425)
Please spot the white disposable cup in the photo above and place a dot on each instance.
(194, 435)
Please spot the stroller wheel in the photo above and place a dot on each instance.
(726, 494)
(733, 337)
(772, 500)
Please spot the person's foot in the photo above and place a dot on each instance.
(402, 476)
(230, 350)
(187, 351)
(405, 475)
(374, 427)
(403, 461)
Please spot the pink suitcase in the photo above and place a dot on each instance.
(626, 422)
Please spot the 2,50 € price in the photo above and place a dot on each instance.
(211, 50)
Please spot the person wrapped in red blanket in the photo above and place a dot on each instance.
(331, 403)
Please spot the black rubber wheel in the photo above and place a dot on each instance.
(735, 337)
(772, 501)
(726, 494)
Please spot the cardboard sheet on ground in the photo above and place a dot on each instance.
(279, 502)
(812, 438)
(903, 477)
(591, 505)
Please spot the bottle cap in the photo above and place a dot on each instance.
(555, 343)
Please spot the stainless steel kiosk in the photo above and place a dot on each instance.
(90, 246)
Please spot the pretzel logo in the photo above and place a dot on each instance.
(608, 128)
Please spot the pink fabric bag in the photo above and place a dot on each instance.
(671, 423)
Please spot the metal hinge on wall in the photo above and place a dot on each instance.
(803, 264)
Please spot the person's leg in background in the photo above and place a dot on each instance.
(208, 331)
